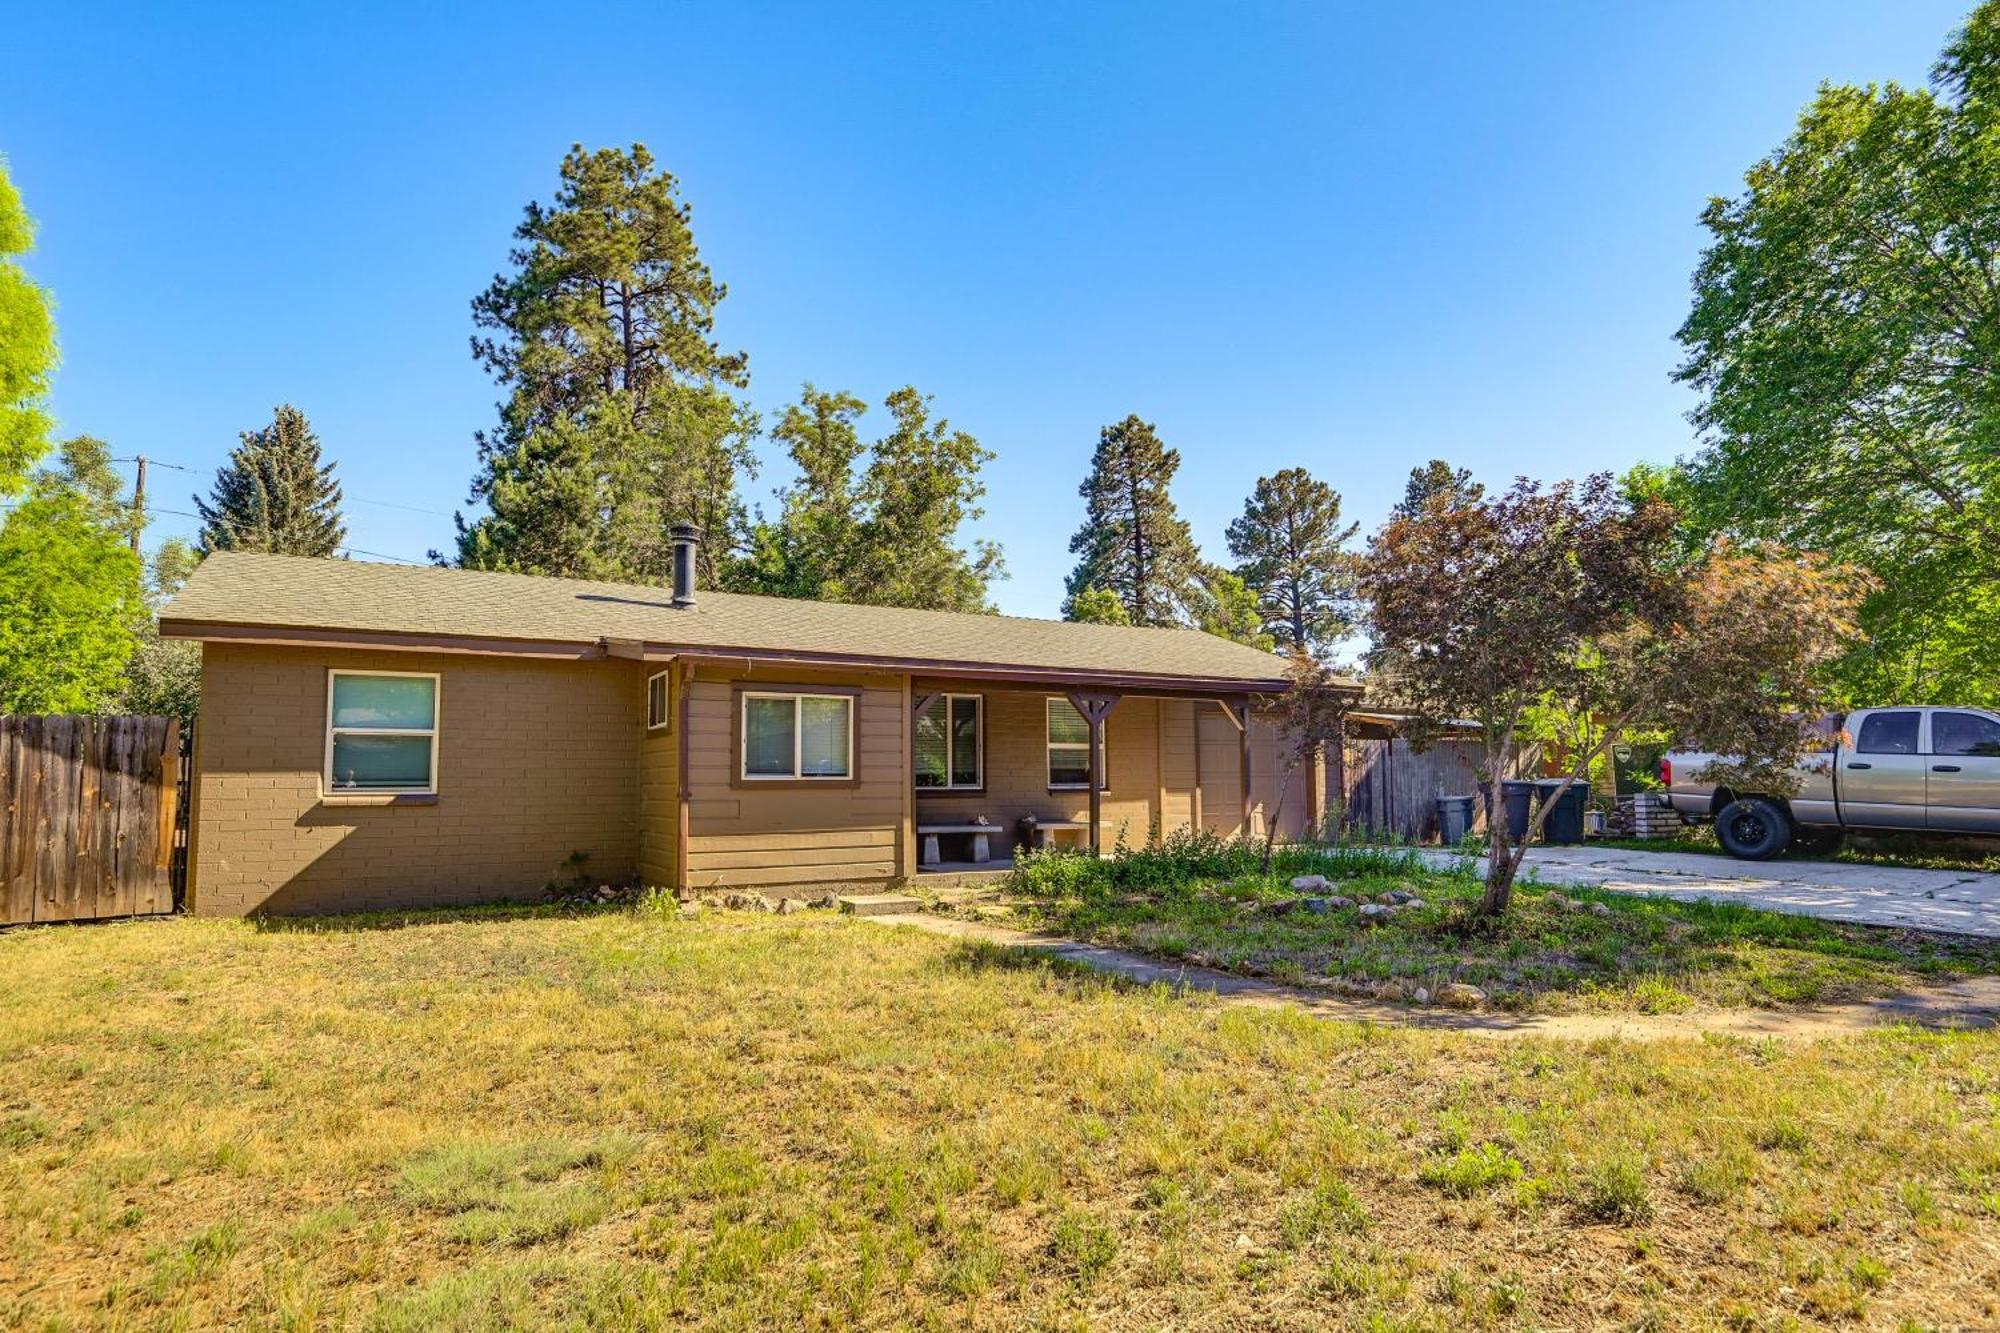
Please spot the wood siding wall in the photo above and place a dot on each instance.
(86, 816)
(1393, 789)
(659, 789)
(799, 837)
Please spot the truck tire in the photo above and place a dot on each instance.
(1753, 828)
(1819, 840)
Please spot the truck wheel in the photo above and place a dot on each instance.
(1818, 841)
(1753, 829)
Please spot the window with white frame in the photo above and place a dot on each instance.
(1069, 748)
(381, 732)
(656, 701)
(949, 744)
(804, 737)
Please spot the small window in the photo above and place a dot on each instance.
(798, 736)
(1069, 748)
(1888, 733)
(381, 732)
(1965, 734)
(948, 744)
(656, 701)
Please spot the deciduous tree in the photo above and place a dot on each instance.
(1289, 543)
(1842, 337)
(70, 597)
(27, 346)
(1133, 542)
(276, 494)
(884, 532)
(1575, 602)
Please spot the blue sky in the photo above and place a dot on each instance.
(1345, 238)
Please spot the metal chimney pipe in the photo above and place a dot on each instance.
(687, 540)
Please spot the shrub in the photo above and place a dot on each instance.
(1187, 858)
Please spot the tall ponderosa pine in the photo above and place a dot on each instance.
(275, 494)
(1289, 542)
(1133, 543)
(27, 347)
(619, 421)
(1437, 484)
(887, 536)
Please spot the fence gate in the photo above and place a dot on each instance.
(87, 816)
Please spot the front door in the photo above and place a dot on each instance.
(1964, 780)
(1882, 778)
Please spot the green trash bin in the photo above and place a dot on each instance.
(1565, 822)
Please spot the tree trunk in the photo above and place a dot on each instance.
(1500, 864)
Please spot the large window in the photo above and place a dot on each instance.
(381, 732)
(1069, 747)
(948, 743)
(804, 737)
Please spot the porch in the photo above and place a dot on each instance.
(996, 766)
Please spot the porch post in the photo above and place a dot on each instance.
(1095, 709)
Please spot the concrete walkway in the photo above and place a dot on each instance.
(1964, 902)
(1972, 1003)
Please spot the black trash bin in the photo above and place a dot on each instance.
(1515, 795)
(1454, 819)
(1565, 822)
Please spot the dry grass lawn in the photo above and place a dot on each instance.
(496, 1119)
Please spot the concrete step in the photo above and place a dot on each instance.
(879, 904)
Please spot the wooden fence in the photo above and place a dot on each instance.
(1392, 789)
(88, 823)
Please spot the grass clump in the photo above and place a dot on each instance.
(1472, 1170)
(1615, 1190)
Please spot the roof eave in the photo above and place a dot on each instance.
(305, 636)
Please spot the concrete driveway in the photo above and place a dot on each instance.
(1964, 902)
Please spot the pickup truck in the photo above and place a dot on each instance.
(1901, 770)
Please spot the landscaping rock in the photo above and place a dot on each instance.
(1600, 909)
(1376, 912)
(1317, 906)
(1420, 995)
(827, 902)
(1397, 897)
(787, 906)
(1341, 904)
(1308, 883)
(1281, 907)
(747, 902)
(1413, 905)
(1459, 995)
(689, 911)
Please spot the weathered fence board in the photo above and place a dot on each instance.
(87, 816)
(1392, 788)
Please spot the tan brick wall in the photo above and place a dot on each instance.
(536, 759)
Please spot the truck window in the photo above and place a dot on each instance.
(1965, 733)
(1888, 733)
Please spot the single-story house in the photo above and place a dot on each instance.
(377, 735)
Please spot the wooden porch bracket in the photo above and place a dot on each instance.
(1238, 712)
(1095, 707)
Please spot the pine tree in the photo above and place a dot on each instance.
(1133, 543)
(618, 421)
(1437, 484)
(887, 536)
(274, 494)
(1288, 542)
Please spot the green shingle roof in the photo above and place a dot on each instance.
(274, 593)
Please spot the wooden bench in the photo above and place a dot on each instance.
(982, 850)
(1041, 832)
